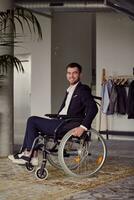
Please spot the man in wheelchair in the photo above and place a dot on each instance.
(76, 112)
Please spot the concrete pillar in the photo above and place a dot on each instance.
(6, 94)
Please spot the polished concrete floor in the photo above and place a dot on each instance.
(115, 181)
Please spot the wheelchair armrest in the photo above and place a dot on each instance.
(68, 118)
(97, 98)
(57, 116)
(64, 117)
(51, 115)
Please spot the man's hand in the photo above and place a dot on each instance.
(78, 131)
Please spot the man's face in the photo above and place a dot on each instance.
(73, 75)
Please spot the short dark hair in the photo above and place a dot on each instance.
(72, 65)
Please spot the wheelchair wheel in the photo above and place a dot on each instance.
(29, 167)
(41, 173)
(53, 155)
(84, 156)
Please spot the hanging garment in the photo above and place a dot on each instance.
(105, 94)
(112, 108)
(121, 99)
(130, 102)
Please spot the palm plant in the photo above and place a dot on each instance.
(8, 36)
(21, 16)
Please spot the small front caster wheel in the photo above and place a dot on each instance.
(41, 173)
(29, 167)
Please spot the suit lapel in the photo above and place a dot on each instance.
(63, 103)
(75, 93)
(77, 87)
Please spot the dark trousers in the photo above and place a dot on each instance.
(45, 126)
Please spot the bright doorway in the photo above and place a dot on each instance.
(22, 98)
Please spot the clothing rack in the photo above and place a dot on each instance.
(123, 76)
(121, 80)
(114, 77)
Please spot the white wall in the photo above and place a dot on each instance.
(115, 53)
(41, 66)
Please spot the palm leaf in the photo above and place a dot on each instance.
(9, 61)
(6, 39)
(20, 15)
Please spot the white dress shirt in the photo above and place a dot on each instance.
(70, 92)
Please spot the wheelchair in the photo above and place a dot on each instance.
(79, 157)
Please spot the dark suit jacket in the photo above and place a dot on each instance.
(82, 105)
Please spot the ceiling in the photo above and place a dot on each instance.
(51, 6)
(126, 6)
(63, 5)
